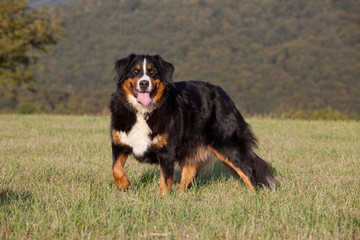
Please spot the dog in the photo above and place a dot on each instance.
(164, 122)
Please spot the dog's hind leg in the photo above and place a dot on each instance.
(197, 158)
(188, 173)
(225, 160)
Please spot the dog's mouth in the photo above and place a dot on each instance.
(144, 98)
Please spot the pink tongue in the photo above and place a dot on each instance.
(144, 98)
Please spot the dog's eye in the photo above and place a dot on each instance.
(152, 72)
(135, 71)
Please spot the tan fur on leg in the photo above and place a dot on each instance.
(165, 184)
(121, 180)
(238, 170)
(187, 176)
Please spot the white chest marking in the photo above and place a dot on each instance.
(139, 136)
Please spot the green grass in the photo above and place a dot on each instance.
(56, 182)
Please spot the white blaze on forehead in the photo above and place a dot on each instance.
(144, 77)
(144, 66)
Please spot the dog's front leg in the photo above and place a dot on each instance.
(119, 159)
(166, 176)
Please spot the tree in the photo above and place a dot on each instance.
(25, 33)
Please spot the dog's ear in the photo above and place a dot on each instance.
(121, 65)
(166, 70)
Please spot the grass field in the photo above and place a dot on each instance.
(56, 183)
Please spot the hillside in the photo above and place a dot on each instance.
(270, 56)
(45, 3)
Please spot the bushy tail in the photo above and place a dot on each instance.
(263, 175)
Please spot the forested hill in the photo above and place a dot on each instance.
(270, 56)
(39, 3)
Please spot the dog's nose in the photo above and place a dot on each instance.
(144, 84)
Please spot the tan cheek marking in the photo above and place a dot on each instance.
(238, 170)
(159, 91)
(127, 85)
(120, 179)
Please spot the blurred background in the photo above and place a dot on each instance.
(277, 58)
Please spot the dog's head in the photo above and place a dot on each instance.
(143, 79)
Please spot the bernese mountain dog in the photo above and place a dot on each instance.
(165, 122)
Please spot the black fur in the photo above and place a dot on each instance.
(191, 114)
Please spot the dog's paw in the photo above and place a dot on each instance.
(123, 183)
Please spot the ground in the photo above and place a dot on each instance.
(56, 182)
